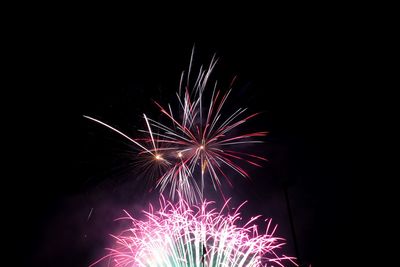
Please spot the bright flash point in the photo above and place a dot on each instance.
(158, 157)
(180, 154)
(201, 147)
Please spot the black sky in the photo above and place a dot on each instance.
(299, 74)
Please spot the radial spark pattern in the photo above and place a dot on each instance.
(197, 141)
(180, 235)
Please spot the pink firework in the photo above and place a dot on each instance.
(181, 235)
(198, 140)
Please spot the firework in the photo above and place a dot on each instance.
(179, 235)
(197, 141)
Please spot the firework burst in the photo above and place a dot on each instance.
(179, 235)
(197, 140)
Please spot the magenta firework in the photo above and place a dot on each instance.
(198, 141)
(181, 235)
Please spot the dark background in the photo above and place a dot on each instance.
(300, 73)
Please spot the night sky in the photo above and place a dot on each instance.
(296, 74)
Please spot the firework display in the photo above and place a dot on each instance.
(195, 141)
(198, 142)
(181, 235)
